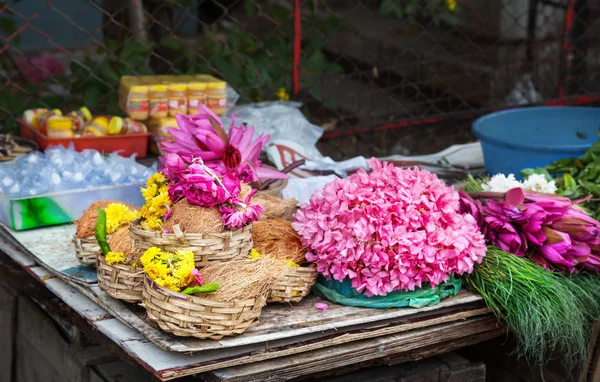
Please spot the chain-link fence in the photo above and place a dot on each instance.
(380, 76)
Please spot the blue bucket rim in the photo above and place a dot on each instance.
(476, 129)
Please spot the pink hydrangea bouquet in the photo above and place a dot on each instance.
(389, 230)
(547, 228)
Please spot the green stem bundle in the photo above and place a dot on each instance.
(547, 311)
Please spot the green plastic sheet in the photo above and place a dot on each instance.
(343, 293)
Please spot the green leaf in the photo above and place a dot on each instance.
(90, 95)
(100, 231)
(569, 181)
(109, 73)
(391, 8)
(206, 289)
(172, 43)
(278, 12)
(526, 172)
(9, 26)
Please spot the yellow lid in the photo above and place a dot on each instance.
(216, 85)
(157, 88)
(148, 79)
(205, 77)
(197, 86)
(86, 113)
(115, 125)
(177, 87)
(138, 89)
(60, 124)
(163, 122)
(102, 121)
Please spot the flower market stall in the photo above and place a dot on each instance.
(214, 273)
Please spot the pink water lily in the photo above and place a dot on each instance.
(240, 213)
(550, 229)
(204, 187)
(203, 136)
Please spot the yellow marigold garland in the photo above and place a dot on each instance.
(156, 195)
(169, 270)
(116, 258)
(117, 216)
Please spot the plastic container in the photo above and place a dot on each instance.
(177, 99)
(196, 95)
(126, 126)
(97, 128)
(159, 101)
(60, 128)
(125, 145)
(515, 139)
(62, 207)
(137, 102)
(40, 121)
(216, 97)
(79, 117)
(159, 130)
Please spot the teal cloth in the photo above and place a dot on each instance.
(343, 293)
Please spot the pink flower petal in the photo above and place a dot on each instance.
(321, 306)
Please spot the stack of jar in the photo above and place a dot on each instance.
(79, 123)
(156, 97)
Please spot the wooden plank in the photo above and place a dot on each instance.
(278, 321)
(458, 333)
(94, 355)
(94, 377)
(119, 371)
(37, 331)
(8, 325)
(162, 362)
(80, 303)
(52, 247)
(28, 370)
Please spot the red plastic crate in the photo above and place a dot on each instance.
(126, 145)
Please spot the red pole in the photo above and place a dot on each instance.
(297, 47)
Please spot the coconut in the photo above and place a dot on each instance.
(276, 238)
(243, 279)
(121, 241)
(194, 219)
(275, 208)
(87, 223)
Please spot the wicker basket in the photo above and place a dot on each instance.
(294, 285)
(191, 316)
(207, 248)
(86, 250)
(120, 281)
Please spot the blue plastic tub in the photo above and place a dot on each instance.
(515, 139)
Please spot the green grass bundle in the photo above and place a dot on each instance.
(547, 311)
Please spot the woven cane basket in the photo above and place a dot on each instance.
(294, 285)
(120, 281)
(86, 250)
(207, 248)
(191, 316)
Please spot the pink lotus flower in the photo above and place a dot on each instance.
(203, 136)
(204, 187)
(392, 229)
(239, 214)
(547, 228)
